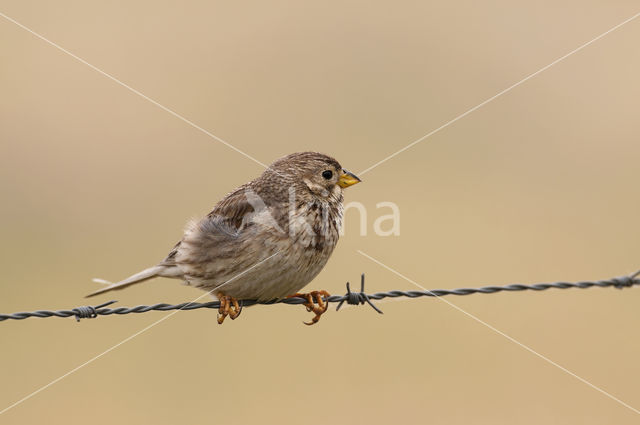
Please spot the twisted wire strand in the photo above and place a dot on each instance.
(353, 298)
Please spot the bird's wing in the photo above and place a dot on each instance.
(230, 214)
(227, 221)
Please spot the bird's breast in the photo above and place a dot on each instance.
(315, 226)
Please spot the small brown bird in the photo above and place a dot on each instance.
(265, 240)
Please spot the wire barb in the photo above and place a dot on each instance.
(623, 282)
(352, 298)
(356, 298)
(88, 312)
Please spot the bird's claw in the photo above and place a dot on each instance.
(319, 309)
(229, 306)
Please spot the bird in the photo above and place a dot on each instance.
(265, 240)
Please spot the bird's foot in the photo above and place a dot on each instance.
(229, 306)
(318, 310)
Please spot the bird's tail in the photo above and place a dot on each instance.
(151, 272)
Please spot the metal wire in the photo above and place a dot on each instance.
(353, 298)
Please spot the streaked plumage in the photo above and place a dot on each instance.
(291, 213)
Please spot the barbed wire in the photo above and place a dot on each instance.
(352, 298)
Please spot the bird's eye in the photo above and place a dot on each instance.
(327, 174)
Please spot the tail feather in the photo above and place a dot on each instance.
(146, 274)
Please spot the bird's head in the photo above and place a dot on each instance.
(313, 172)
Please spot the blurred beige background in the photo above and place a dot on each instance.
(539, 185)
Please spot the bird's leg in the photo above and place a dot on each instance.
(311, 306)
(229, 306)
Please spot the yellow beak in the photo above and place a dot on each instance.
(347, 179)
